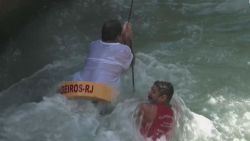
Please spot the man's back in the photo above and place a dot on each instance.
(105, 63)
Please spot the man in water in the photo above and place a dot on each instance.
(157, 117)
(109, 57)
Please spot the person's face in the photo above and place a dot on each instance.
(154, 94)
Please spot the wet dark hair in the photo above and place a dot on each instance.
(165, 88)
(111, 29)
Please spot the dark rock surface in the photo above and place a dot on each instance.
(14, 14)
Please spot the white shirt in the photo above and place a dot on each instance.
(105, 63)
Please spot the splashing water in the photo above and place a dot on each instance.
(201, 47)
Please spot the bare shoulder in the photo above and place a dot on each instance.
(145, 106)
(148, 110)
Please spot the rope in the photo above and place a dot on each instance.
(133, 61)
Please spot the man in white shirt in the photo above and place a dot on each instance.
(109, 57)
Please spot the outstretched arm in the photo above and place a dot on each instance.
(127, 37)
(127, 34)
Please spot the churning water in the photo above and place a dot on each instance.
(201, 46)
